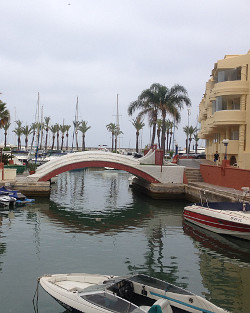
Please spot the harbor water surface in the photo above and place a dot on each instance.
(94, 223)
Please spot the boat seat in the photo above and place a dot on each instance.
(145, 307)
(161, 306)
(72, 286)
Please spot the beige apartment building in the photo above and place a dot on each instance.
(224, 111)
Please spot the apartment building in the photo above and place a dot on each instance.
(224, 111)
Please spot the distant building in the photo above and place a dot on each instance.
(224, 111)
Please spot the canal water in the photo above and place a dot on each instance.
(94, 223)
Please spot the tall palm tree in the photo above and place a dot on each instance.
(117, 133)
(189, 131)
(138, 124)
(57, 135)
(76, 126)
(26, 130)
(4, 114)
(41, 129)
(6, 127)
(147, 105)
(196, 139)
(67, 136)
(111, 127)
(34, 128)
(53, 129)
(159, 127)
(63, 130)
(83, 127)
(18, 131)
(169, 126)
(169, 101)
(46, 123)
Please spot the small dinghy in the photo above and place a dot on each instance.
(93, 293)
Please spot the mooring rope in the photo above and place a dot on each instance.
(36, 295)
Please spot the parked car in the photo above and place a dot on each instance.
(138, 155)
(201, 155)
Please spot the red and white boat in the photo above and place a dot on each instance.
(226, 218)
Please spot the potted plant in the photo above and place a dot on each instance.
(31, 167)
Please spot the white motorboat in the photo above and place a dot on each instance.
(226, 218)
(94, 293)
(7, 200)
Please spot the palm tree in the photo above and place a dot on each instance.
(138, 124)
(53, 129)
(57, 135)
(111, 128)
(67, 135)
(83, 129)
(76, 125)
(117, 133)
(6, 127)
(41, 129)
(34, 128)
(189, 131)
(196, 139)
(63, 130)
(147, 104)
(4, 114)
(18, 131)
(26, 130)
(169, 126)
(159, 127)
(169, 101)
(46, 120)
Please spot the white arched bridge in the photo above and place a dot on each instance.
(144, 168)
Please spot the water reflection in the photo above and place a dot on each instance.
(95, 223)
(224, 266)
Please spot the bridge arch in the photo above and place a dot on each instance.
(80, 160)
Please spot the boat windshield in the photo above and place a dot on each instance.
(111, 303)
(157, 283)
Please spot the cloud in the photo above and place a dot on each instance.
(96, 49)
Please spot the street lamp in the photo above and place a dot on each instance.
(225, 143)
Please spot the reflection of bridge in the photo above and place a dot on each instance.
(150, 173)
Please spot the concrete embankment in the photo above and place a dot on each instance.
(190, 192)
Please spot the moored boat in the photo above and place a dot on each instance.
(94, 293)
(226, 218)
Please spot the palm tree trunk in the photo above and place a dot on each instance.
(76, 142)
(62, 142)
(83, 142)
(67, 142)
(57, 140)
(32, 141)
(5, 139)
(137, 142)
(112, 142)
(53, 142)
(46, 140)
(163, 136)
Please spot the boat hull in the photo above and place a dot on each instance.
(224, 222)
(90, 293)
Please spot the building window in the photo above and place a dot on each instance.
(216, 138)
(228, 75)
(234, 134)
(226, 103)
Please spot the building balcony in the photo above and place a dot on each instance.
(228, 117)
(236, 87)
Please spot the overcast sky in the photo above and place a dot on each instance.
(96, 49)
